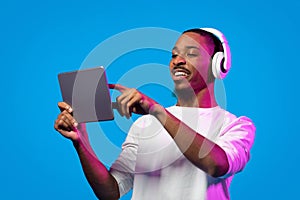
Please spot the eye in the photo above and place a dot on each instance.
(174, 55)
(192, 55)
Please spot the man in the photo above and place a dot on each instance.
(188, 151)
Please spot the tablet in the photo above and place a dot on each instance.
(87, 92)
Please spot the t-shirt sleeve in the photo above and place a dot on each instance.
(123, 168)
(236, 139)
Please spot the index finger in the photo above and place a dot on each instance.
(64, 106)
(118, 87)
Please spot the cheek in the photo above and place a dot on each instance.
(203, 67)
(170, 64)
(170, 69)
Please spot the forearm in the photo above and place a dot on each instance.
(202, 152)
(101, 181)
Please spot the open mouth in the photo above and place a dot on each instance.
(180, 72)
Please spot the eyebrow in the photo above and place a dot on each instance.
(187, 47)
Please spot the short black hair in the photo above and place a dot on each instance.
(217, 43)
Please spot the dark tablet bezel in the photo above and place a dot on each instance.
(87, 92)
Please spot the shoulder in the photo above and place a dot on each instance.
(238, 127)
(144, 121)
(147, 120)
(145, 125)
(231, 119)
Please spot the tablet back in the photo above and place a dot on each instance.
(88, 93)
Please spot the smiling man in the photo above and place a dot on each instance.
(188, 151)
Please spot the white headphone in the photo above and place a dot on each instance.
(221, 61)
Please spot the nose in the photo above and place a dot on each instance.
(179, 60)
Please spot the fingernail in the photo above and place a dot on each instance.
(75, 124)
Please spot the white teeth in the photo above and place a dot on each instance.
(180, 74)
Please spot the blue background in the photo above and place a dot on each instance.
(40, 39)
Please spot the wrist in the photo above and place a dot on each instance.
(81, 138)
(77, 143)
(158, 111)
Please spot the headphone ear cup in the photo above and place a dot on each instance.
(216, 65)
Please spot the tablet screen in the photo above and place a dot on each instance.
(87, 92)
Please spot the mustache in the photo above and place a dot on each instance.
(180, 68)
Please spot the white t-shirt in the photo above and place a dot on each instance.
(152, 164)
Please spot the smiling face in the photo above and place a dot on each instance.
(190, 65)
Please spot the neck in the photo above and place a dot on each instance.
(204, 98)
